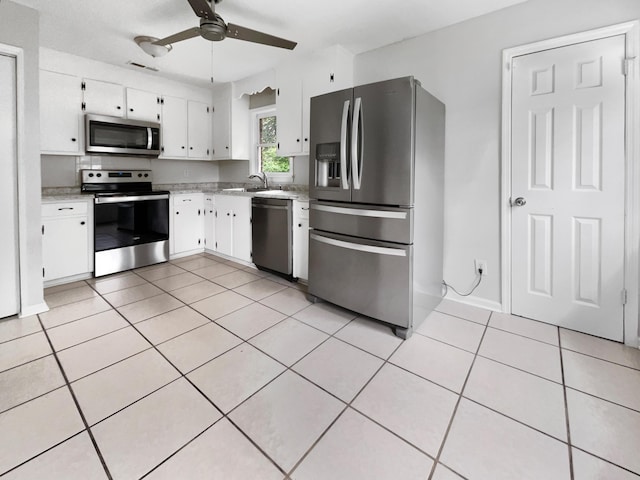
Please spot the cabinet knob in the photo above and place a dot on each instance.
(300, 225)
(227, 147)
(177, 213)
(73, 139)
(190, 148)
(118, 107)
(234, 214)
(82, 223)
(298, 140)
(227, 214)
(131, 109)
(306, 139)
(182, 147)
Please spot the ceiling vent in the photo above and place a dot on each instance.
(144, 67)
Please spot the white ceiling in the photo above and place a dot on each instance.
(104, 30)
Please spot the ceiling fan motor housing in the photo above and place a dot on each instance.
(214, 29)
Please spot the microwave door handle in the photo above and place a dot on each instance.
(356, 148)
(344, 169)
(149, 138)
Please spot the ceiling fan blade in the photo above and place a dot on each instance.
(202, 8)
(243, 33)
(178, 37)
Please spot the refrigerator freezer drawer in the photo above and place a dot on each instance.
(388, 224)
(369, 277)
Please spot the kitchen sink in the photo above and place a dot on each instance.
(248, 190)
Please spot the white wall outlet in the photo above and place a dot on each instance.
(481, 264)
(186, 173)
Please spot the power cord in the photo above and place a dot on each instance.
(447, 286)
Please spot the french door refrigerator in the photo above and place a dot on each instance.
(376, 213)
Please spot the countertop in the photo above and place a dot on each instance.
(73, 194)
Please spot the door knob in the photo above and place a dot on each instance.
(519, 202)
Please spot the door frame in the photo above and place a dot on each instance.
(631, 31)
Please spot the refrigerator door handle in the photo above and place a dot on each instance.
(344, 168)
(396, 252)
(357, 136)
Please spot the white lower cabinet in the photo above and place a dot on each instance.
(209, 222)
(233, 226)
(186, 225)
(67, 240)
(301, 240)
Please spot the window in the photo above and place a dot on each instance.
(266, 157)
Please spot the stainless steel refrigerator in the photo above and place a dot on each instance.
(376, 178)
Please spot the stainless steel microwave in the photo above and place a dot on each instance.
(120, 136)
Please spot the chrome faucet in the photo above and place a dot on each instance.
(263, 179)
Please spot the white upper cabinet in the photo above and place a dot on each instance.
(60, 113)
(174, 127)
(199, 134)
(143, 105)
(326, 71)
(231, 125)
(103, 98)
(186, 129)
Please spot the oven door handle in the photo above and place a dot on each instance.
(133, 198)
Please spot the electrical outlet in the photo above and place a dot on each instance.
(481, 264)
(186, 173)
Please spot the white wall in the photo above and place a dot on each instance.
(461, 65)
(19, 28)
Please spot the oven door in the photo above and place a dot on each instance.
(130, 232)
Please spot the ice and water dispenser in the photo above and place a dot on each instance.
(328, 165)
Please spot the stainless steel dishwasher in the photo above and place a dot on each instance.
(271, 235)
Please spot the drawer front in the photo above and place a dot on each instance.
(187, 198)
(372, 278)
(300, 210)
(65, 209)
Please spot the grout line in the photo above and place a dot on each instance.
(77, 404)
(455, 408)
(566, 410)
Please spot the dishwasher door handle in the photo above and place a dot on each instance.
(273, 207)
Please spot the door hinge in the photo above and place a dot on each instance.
(158, 115)
(331, 77)
(626, 65)
(207, 109)
(84, 106)
(207, 151)
(83, 86)
(158, 100)
(216, 245)
(278, 92)
(198, 241)
(216, 214)
(162, 101)
(624, 296)
(42, 272)
(43, 229)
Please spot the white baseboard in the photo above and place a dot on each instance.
(185, 254)
(475, 301)
(30, 310)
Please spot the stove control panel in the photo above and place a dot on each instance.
(116, 176)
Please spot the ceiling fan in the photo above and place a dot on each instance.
(212, 27)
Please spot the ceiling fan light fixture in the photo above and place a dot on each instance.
(147, 45)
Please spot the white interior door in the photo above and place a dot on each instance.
(9, 286)
(568, 165)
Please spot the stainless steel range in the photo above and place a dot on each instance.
(131, 221)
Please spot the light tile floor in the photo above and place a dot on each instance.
(203, 368)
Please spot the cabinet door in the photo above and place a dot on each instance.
(60, 112)
(199, 130)
(223, 224)
(209, 222)
(65, 247)
(301, 248)
(222, 128)
(103, 98)
(174, 127)
(241, 215)
(289, 112)
(187, 223)
(143, 105)
(301, 239)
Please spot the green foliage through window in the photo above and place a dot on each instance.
(269, 161)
